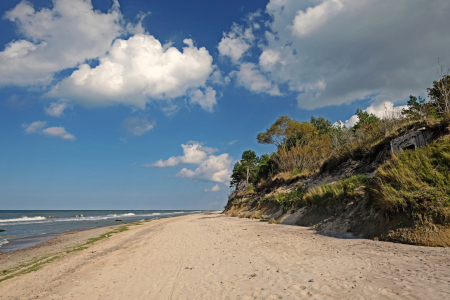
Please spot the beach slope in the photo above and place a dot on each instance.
(213, 256)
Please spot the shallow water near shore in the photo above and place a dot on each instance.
(26, 228)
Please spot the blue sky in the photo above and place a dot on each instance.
(148, 104)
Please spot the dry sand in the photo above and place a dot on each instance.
(212, 256)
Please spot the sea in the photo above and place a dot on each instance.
(25, 228)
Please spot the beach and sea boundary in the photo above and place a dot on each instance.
(213, 256)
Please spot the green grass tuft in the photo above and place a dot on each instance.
(328, 194)
(414, 181)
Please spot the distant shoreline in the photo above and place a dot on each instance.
(24, 229)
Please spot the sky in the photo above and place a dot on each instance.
(111, 104)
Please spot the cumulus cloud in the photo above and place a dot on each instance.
(56, 109)
(314, 17)
(215, 168)
(381, 110)
(250, 77)
(136, 70)
(330, 52)
(235, 43)
(131, 71)
(193, 153)
(206, 100)
(210, 167)
(55, 39)
(39, 127)
(135, 126)
(213, 189)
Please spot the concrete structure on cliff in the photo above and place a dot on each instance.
(412, 140)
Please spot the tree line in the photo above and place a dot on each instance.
(302, 147)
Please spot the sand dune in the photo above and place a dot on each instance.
(212, 256)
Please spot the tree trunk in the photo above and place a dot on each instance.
(248, 170)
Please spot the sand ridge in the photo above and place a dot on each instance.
(212, 256)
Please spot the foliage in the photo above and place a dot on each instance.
(414, 180)
(279, 132)
(300, 145)
(291, 199)
(250, 161)
(287, 200)
(238, 176)
(440, 94)
(366, 121)
(322, 125)
(329, 193)
(415, 107)
(266, 168)
(245, 171)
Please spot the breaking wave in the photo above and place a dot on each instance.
(23, 219)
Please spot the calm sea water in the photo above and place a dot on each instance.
(26, 228)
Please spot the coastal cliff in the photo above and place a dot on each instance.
(401, 197)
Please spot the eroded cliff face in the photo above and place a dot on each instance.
(352, 217)
(350, 220)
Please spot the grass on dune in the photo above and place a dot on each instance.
(331, 193)
(414, 181)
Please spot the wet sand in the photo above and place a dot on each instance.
(212, 256)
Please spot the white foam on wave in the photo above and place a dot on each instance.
(76, 218)
(23, 219)
(4, 241)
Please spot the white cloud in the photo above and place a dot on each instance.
(381, 110)
(59, 132)
(213, 189)
(210, 167)
(38, 127)
(206, 100)
(351, 122)
(55, 39)
(215, 168)
(34, 127)
(135, 126)
(385, 109)
(232, 142)
(330, 52)
(193, 153)
(56, 109)
(251, 78)
(135, 71)
(306, 21)
(236, 43)
(268, 59)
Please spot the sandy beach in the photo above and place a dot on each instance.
(212, 256)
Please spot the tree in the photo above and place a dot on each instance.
(266, 167)
(279, 131)
(300, 145)
(250, 160)
(245, 170)
(440, 94)
(416, 107)
(322, 125)
(238, 176)
(365, 120)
